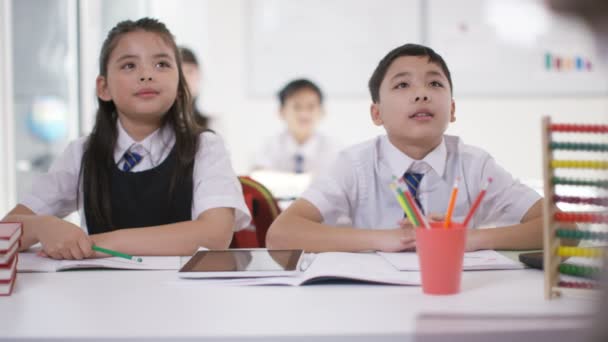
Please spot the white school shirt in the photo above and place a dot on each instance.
(278, 153)
(357, 185)
(215, 184)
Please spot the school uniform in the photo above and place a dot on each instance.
(357, 185)
(140, 191)
(283, 153)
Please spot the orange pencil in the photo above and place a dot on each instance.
(451, 204)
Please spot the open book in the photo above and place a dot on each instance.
(31, 262)
(473, 261)
(360, 267)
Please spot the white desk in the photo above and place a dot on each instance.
(155, 305)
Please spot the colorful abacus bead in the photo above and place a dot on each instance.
(599, 201)
(579, 182)
(565, 251)
(579, 128)
(571, 146)
(565, 233)
(580, 217)
(580, 164)
(579, 271)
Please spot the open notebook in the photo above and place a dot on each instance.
(360, 267)
(31, 262)
(473, 261)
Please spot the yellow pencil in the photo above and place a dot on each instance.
(403, 203)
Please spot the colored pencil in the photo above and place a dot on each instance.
(477, 202)
(451, 205)
(417, 210)
(404, 205)
(115, 253)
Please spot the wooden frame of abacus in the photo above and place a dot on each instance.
(552, 232)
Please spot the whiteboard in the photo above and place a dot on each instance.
(515, 47)
(336, 43)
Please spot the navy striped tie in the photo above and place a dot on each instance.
(299, 159)
(131, 159)
(412, 180)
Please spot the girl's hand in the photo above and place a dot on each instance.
(63, 240)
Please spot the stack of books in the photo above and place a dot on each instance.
(9, 253)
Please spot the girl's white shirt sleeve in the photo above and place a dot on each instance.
(56, 191)
(214, 181)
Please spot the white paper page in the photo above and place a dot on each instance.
(338, 265)
(478, 260)
(147, 263)
(31, 262)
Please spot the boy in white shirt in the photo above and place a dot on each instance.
(300, 148)
(411, 91)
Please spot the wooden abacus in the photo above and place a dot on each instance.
(556, 223)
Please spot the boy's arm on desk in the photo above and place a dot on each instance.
(300, 227)
(527, 235)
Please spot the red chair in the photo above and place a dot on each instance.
(263, 208)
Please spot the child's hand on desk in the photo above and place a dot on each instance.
(471, 241)
(61, 239)
(397, 240)
(433, 217)
(407, 226)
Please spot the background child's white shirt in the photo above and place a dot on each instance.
(278, 153)
(215, 184)
(357, 185)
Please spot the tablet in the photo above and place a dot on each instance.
(532, 259)
(237, 263)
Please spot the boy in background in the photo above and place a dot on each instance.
(300, 148)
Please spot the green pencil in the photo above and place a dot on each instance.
(115, 253)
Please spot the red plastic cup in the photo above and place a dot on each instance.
(440, 254)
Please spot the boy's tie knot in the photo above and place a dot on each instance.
(412, 179)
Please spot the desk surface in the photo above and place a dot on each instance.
(157, 305)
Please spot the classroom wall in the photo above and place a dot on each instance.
(507, 127)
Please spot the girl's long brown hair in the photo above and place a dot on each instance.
(98, 158)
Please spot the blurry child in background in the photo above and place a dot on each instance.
(300, 149)
(192, 73)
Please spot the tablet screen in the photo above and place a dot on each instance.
(243, 261)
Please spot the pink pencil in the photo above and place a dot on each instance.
(417, 211)
(476, 203)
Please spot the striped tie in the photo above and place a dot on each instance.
(299, 162)
(412, 180)
(131, 159)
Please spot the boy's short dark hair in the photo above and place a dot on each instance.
(187, 55)
(296, 85)
(404, 50)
